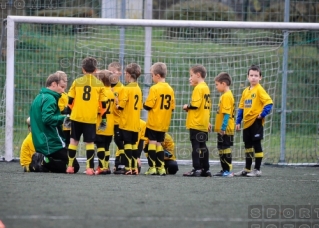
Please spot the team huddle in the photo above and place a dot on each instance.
(98, 108)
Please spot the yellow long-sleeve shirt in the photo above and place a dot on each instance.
(27, 150)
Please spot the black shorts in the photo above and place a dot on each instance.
(199, 136)
(88, 131)
(152, 135)
(224, 141)
(103, 139)
(129, 137)
(254, 133)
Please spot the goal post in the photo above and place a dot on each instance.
(239, 59)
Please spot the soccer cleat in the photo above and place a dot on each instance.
(89, 171)
(228, 174)
(128, 172)
(135, 172)
(206, 173)
(161, 172)
(193, 173)
(70, 170)
(219, 174)
(242, 173)
(150, 171)
(100, 171)
(254, 173)
(119, 171)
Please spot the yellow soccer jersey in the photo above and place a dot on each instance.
(117, 90)
(130, 100)
(87, 92)
(198, 119)
(168, 145)
(141, 133)
(252, 102)
(226, 106)
(161, 100)
(27, 150)
(109, 114)
(63, 103)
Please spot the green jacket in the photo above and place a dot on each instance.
(46, 122)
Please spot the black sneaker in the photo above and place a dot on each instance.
(37, 163)
(193, 173)
(219, 174)
(206, 174)
(119, 171)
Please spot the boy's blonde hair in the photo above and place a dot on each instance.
(160, 69)
(56, 77)
(104, 76)
(115, 65)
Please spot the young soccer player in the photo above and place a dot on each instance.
(225, 123)
(104, 137)
(27, 150)
(171, 166)
(86, 94)
(46, 125)
(130, 103)
(198, 117)
(63, 104)
(160, 104)
(255, 104)
(117, 87)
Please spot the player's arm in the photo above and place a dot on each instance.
(48, 113)
(150, 100)
(123, 98)
(266, 111)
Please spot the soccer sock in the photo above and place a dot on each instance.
(107, 159)
(160, 157)
(152, 155)
(258, 158)
(227, 157)
(89, 155)
(122, 157)
(249, 153)
(71, 154)
(221, 158)
(128, 156)
(101, 156)
(149, 162)
(134, 157)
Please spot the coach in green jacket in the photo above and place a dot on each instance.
(46, 124)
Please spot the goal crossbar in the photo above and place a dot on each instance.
(12, 20)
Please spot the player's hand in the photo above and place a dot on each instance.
(237, 127)
(67, 122)
(102, 126)
(185, 107)
(259, 117)
(209, 127)
(221, 132)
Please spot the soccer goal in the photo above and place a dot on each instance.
(32, 54)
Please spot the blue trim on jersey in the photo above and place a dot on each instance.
(266, 110)
(239, 116)
(225, 122)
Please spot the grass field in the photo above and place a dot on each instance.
(59, 200)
